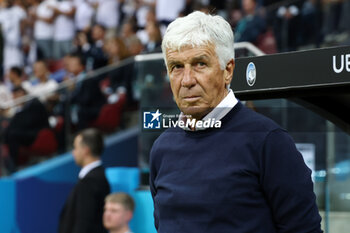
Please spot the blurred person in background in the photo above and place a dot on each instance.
(345, 18)
(107, 14)
(143, 7)
(167, 11)
(86, 97)
(84, 14)
(118, 212)
(83, 209)
(135, 46)
(154, 38)
(94, 53)
(15, 75)
(121, 77)
(29, 47)
(126, 10)
(12, 21)
(81, 38)
(142, 32)
(311, 21)
(332, 17)
(5, 100)
(128, 30)
(30, 117)
(132, 42)
(44, 29)
(61, 74)
(64, 28)
(251, 26)
(286, 28)
(116, 50)
(43, 87)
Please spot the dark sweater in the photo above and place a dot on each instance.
(245, 177)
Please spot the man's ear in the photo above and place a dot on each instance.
(86, 150)
(228, 73)
(130, 214)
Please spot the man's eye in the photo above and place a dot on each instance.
(176, 67)
(201, 64)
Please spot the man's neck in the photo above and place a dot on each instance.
(124, 229)
(90, 160)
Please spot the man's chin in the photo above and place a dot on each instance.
(195, 112)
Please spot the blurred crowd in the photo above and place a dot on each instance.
(108, 31)
(48, 42)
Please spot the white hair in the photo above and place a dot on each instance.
(198, 29)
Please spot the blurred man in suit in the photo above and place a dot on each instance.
(87, 98)
(30, 117)
(83, 210)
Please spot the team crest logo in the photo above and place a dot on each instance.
(151, 120)
(251, 74)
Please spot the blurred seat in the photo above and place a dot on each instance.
(110, 115)
(123, 179)
(55, 65)
(105, 86)
(45, 144)
(143, 220)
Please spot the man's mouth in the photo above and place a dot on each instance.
(191, 98)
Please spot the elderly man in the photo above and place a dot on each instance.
(247, 175)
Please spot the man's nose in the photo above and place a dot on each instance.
(188, 79)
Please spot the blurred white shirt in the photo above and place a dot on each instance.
(64, 25)
(5, 97)
(107, 13)
(141, 13)
(10, 20)
(43, 90)
(83, 15)
(169, 10)
(42, 29)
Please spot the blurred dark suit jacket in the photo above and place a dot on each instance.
(83, 210)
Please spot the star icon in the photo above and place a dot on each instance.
(156, 115)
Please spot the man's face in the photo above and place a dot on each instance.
(98, 33)
(18, 94)
(40, 70)
(115, 216)
(74, 66)
(12, 76)
(249, 6)
(127, 30)
(79, 151)
(197, 82)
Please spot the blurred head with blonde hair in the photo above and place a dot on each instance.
(118, 211)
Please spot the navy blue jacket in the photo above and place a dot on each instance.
(245, 177)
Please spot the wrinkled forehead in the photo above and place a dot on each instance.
(186, 44)
(190, 50)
